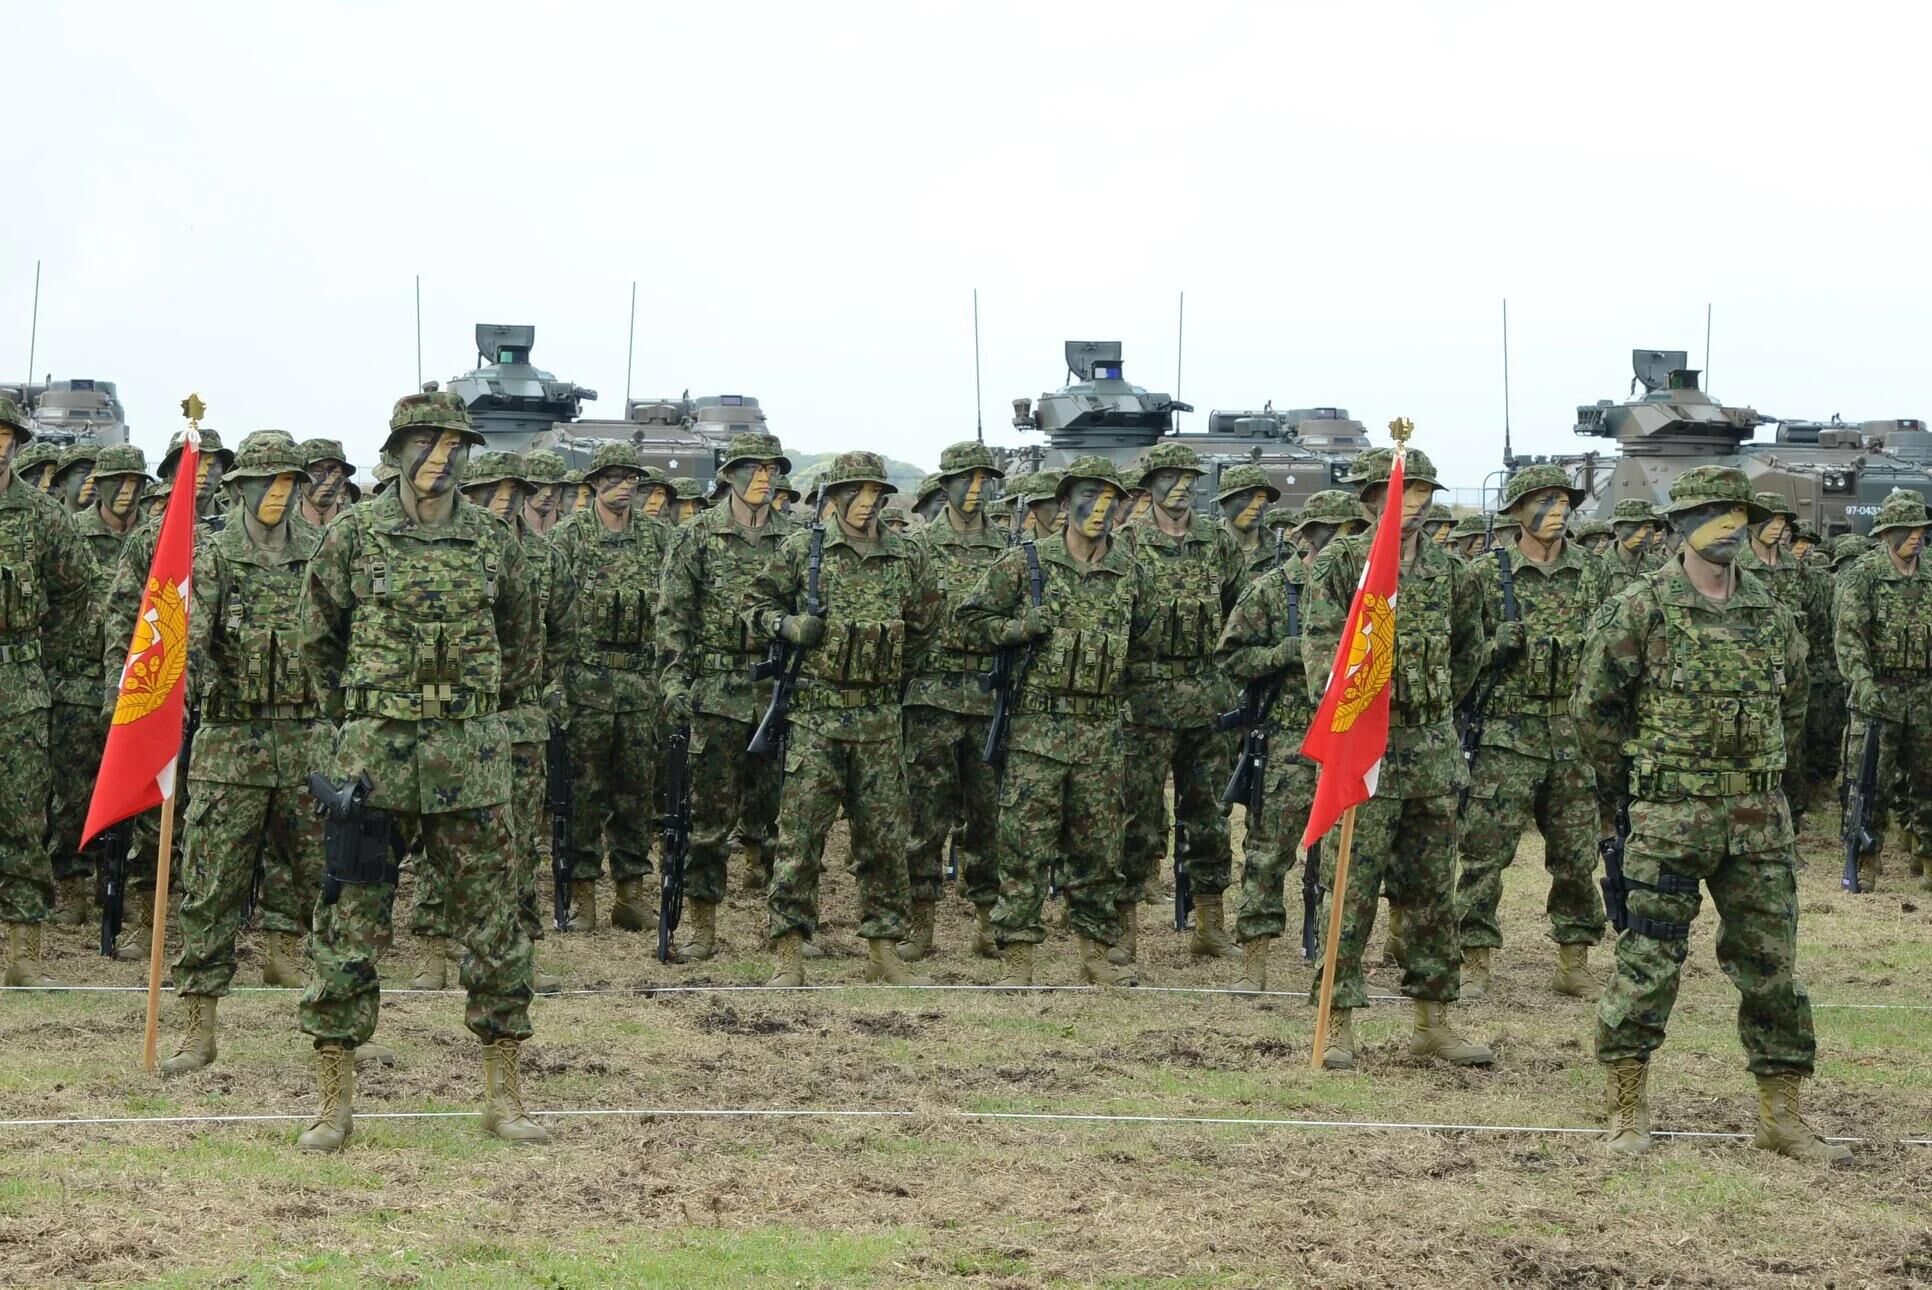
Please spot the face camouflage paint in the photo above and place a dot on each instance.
(1092, 503)
(1634, 538)
(967, 493)
(1316, 536)
(45, 480)
(434, 463)
(325, 484)
(861, 504)
(1801, 546)
(207, 479)
(503, 497)
(616, 490)
(84, 496)
(269, 498)
(1245, 509)
(1171, 490)
(544, 500)
(687, 509)
(1139, 503)
(121, 498)
(1905, 543)
(1771, 532)
(1544, 513)
(751, 481)
(1715, 532)
(9, 445)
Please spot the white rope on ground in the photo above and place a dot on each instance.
(817, 1113)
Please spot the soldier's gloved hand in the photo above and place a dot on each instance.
(1278, 656)
(1865, 698)
(1511, 637)
(1031, 625)
(803, 630)
(677, 708)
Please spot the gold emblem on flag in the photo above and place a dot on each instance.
(1371, 661)
(158, 655)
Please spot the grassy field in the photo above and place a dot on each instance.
(932, 1197)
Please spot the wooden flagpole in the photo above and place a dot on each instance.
(1334, 937)
(159, 934)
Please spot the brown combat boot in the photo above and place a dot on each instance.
(1435, 1037)
(790, 966)
(1395, 950)
(1475, 972)
(757, 868)
(883, 966)
(1210, 938)
(701, 942)
(281, 959)
(503, 1113)
(197, 1048)
(811, 949)
(1628, 1094)
(1573, 973)
(1127, 952)
(335, 1073)
(583, 906)
(136, 930)
(1339, 1054)
(432, 970)
(918, 943)
(1098, 971)
(1781, 1129)
(541, 981)
(371, 1053)
(71, 896)
(23, 956)
(629, 911)
(1254, 965)
(985, 942)
(1018, 973)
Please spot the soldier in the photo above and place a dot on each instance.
(1882, 621)
(74, 480)
(783, 495)
(1469, 536)
(1594, 536)
(613, 557)
(326, 495)
(1805, 545)
(1037, 510)
(862, 603)
(1802, 590)
(1196, 567)
(689, 501)
(1062, 790)
(1244, 498)
(36, 465)
(1692, 687)
(1438, 523)
(420, 614)
(576, 494)
(1261, 642)
(1639, 545)
(1280, 521)
(261, 735)
(1405, 836)
(930, 501)
(1139, 500)
(947, 711)
(154, 500)
(45, 631)
(1538, 594)
(543, 476)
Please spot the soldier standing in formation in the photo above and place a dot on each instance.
(419, 615)
(948, 711)
(74, 480)
(1802, 590)
(1691, 692)
(1406, 835)
(261, 735)
(1538, 595)
(861, 603)
(1639, 544)
(1063, 786)
(326, 494)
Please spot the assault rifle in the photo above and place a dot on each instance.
(113, 846)
(1311, 899)
(677, 838)
(1252, 717)
(784, 662)
(1472, 715)
(1616, 890)
(563, 807)
(1183, 889)
(1010, 666)
(1861, 799)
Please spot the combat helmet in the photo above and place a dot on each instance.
(1633, 510)
(1704, 485)
(928, 486)
(121, 459)
(267, 457)
(1088, 467)
(542, 467)
(36, 454)
(211, 446)
(958, 458)
(1534, 479)
(1778, 504)
(1901, 509)
(755, 446)
(14, 417)
(1331, 506)
(494, 468)
(1169, 455)
(316, 450)
(857, 468)
(1279, 517)
(1044, 484)
(1438, 514)
(619, 455)
(1377, 464)
(433, 410)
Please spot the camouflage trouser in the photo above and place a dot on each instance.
(79, 736)
(1201, 759)
(1408, 846)
(613, 756)
(728, 785)
(1070, 817)
(1824, 730)
(26, 878)
(868, 779)
(1741, 848)
(473, 853)
(530, 832)
(1904, 769)
(1288, 789)
(1508, 791)
(948, 784)
(228, 828)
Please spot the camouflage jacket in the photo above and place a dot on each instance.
(1267, 554)
(46, 626)
(703, 644)
(1882, 622)
(260, 722)
(1195, 578)
(83, 687)
(1532, 668)
(950, 677)
(610, 652)
(1439, 648)
(1103, 618)
(881, 605)
(1800, 588)
(1682, 696)
(1625, 568)
(1262, 640)
(412, 635)
(531, 717)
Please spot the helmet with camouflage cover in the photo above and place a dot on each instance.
(686, 489)
(211, 446)
(542, 467)
(1374, 467)
(266, 436)
(1169, 455)
(1778, 504)
(431, 410)
(316, 451)
(1716, 485)
(1534, 479)
(928, 487)
(968, 454)
(494, 468)
(1901, 509)
(1239, 479)
(1134, 476)
(755, 446)
(34, 455)
(1044, 485)
(857, 468)
(1847, 547)
(1088, 467)
(1017, 486)
(783, 484)
(267, 457)
(616, 455)
(14, 417)
(1331, 506)
(1633, 510)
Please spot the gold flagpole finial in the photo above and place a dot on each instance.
(194, 409)
(1400, 429)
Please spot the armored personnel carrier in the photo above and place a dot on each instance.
(1302, 450)
(75, 411)
(510, 400)
(1835, 473)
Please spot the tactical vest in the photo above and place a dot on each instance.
(1187, 619)
(865, 631)
(1901, 621)
(1424, 693)
(423, 644)
(1082, 666)
(958, 567)
(256, 647)
(617, 594)
(1710, 712)
(725, 640)
(23, 601)
(1539, 681)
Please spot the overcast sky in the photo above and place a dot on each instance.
(235, 199)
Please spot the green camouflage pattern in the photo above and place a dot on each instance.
(857, 468)
(1089, 467)
(1377, 464)
(121, 459)
(494, 468)
(1633, 510)
(1902, 508)
(430, 409)
(315, 451)
(15, 417)
(754, 446)
(1170, 455)
(1705, 485)
(1882, 633)
(1533, 479)
(968, 454)
(827, 774)
(543, 467)
(1405, 849)
(230, 830)
(1239, 479)
(265, 458)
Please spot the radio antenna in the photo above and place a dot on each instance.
(1707, 347)
(419, 331)
(1180, 338)
(979, 422)
(33, 340)
(1507, 455)
(630, 349)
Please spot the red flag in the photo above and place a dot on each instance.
(1350, 732)
(143, 744)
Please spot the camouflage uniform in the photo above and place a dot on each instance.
(1438, 524)
(261, 736)
(44, 623)
(947, 712)
(1528, 769)
(1803, 590)
(36, 465)
(707, 652)
(1627, 566)
(74, 480)
(317, 453)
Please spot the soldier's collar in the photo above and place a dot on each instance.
(1118, 558)
(1674, 588)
